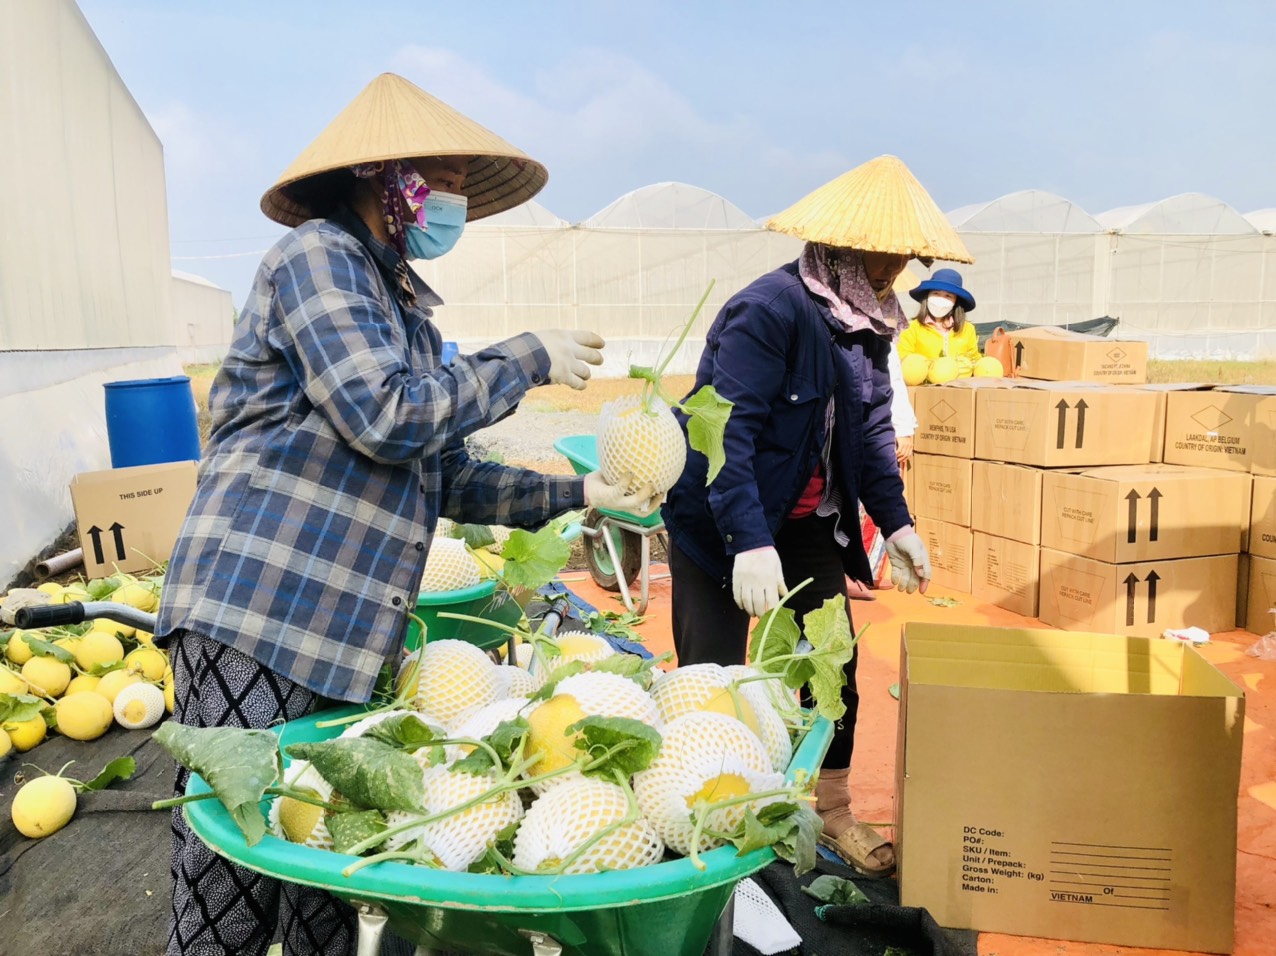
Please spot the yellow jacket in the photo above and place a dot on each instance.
(925, 340)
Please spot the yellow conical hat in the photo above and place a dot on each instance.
(877, 207)
(393, 119)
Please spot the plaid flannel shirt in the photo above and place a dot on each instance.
(337, 442)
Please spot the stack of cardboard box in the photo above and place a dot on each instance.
(1051, 498)
(1233, 429)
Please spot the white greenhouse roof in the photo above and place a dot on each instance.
(671, 206)
(1264, 220)
(1193, 214)
(198, 280)
(530, 213)
(1030, 211)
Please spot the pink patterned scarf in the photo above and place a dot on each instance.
(837, 276)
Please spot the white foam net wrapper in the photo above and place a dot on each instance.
(444, 527)
(771, 727)
(449, 566)
(580, 646)
(667, 796)
(456, 678)
(520, 683)
(702, 752)
(601, 695)
(458, 840)
(302, 774)
(637, 448)
(684, 689)
(562, 819)
(500, 534)
(687, 689)
(483, 721)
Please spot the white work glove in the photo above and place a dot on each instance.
(599, 493)
(910, 564)
(570, 355)
(757, 580)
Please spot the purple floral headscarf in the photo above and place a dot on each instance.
(837, 276)
(403, 193)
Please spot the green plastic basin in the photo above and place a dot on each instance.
(669, 908)
(483, 600)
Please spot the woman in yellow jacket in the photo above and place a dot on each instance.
(941, 327)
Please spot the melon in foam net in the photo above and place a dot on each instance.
(449, 566)
(640, 443)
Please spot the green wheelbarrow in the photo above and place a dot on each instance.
(617, 543)
(669, 909)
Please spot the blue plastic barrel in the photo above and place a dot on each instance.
(150, 421)
(450, 351)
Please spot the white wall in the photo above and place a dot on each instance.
(86, 292)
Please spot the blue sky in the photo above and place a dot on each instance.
(1106, 103)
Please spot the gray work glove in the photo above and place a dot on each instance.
(570, 355)
(910, 564)
(757, 580)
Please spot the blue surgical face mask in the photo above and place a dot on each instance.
(445, 220)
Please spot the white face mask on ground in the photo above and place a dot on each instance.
(939, 306)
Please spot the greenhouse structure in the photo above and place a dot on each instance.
(1188, 274)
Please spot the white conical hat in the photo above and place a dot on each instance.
(393, 119)
(877, 207)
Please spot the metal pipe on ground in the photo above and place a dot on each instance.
(59, 563)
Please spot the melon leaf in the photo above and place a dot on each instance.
(829, 631)
(237, 764)
(533, 560)
(627, 745)
(369, 773)
(708, 413)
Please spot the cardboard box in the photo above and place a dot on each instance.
(1160, 389)
(1052, 353)
(949, 547)
(1216, 428)
(1142, 599)
(1068, 786)
(1005, 501)
(1144, 512)
(1263, 459)
(1062, 424)
(942, 488)
(1262, 518)
(129, 517)
(1005, 573)
(1260, 595)
(946, 416)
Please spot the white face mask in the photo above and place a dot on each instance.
(938, 306)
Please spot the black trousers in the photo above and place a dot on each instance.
(708, 628)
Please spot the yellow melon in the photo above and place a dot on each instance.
(989, 367)
(943, 369)
(915, 368)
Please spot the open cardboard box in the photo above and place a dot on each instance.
(1068, 786)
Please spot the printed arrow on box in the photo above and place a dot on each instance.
(1152, 578)
(118, 530)
(1063, 422)
(1131, 584)
(1081, 407)
(1155, 497)
(95, 533)
(1018, 354)
(1132, 523)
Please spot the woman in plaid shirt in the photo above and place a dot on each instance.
(337, 443)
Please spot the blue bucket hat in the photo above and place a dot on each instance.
(945, 280)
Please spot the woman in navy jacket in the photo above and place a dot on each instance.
(803, 353)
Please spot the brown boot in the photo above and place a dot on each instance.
(862, 847)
